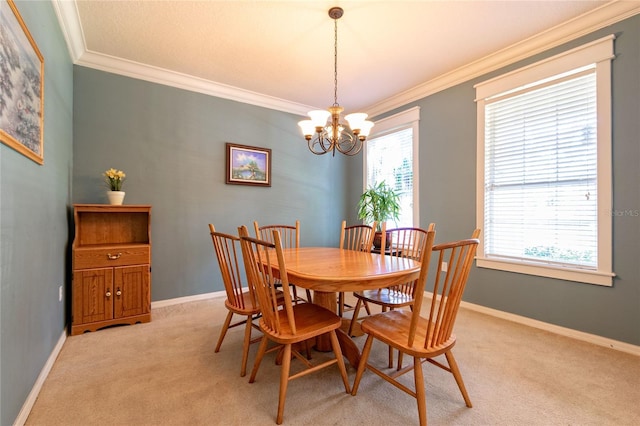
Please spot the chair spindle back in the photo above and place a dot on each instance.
(357, 237)
(265, 267)
(409, 243)
(449, 284)
(227, 248)
(289, 234)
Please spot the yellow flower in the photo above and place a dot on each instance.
(114, 179)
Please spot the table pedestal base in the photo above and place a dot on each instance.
(323, 343)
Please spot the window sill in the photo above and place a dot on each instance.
(578, 275)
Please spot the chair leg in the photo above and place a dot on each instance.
(338, 352)
(245, 345)
(420, 392)
(354, 319)
(341, 304)
(261, 351)
(295, 294)
(362, 364)
(309, 298)
(223, 332)
(456, 374)
(366, 308)
(284, 381)
(400, 353)
(307, 348)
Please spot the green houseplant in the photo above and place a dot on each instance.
(379, 203)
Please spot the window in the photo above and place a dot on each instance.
(544, 167)
(391, 155)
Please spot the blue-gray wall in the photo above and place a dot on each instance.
(171, 145)
(448, 197)
(33, 225)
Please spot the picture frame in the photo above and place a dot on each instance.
(248, 165)
(21, 86)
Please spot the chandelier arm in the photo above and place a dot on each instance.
(325, 141)
(349, 145)
(320, 144)
(312, 143)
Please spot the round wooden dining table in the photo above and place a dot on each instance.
(328, 270)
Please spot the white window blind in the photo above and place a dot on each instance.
(540, 174)
(544, 167)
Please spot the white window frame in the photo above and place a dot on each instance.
(400, 121)
(600, 53)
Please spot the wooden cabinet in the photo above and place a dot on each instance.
(111, 266)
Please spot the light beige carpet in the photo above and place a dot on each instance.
(166, 373)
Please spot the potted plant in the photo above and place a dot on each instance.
(114, 180)
(379, 203)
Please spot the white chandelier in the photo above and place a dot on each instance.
(323, 138)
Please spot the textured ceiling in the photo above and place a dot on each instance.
(284, 49)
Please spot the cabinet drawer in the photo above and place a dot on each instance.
(112, 256)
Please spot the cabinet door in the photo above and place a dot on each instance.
(132, 291)
(92, 295)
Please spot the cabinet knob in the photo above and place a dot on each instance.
(114, 256)
(108, 294)
(118, 292)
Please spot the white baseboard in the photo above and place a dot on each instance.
(37, 386)
(563, 331)
(178, 300)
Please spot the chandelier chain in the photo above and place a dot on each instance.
(335, 62)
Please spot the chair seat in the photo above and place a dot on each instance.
(248, 308)
(385, 296)
(393, 327)
(311, 320)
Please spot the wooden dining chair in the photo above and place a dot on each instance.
(358, 238)
(239, 301)
(424, 337)
(290, 324)
(290, 237)
(405, 242)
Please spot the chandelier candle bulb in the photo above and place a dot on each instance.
(307, 128)
(365, 129)
(319, 117)
(356, 120)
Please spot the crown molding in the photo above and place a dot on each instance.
(69, 20)
(153, 74)
(596, 19)
(601, 17)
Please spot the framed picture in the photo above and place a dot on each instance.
(248, 165)
(21, 86)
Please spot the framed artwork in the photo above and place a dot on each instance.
(248, 165)
(21, 86)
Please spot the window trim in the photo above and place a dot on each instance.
(600, 52)
(409, 118)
